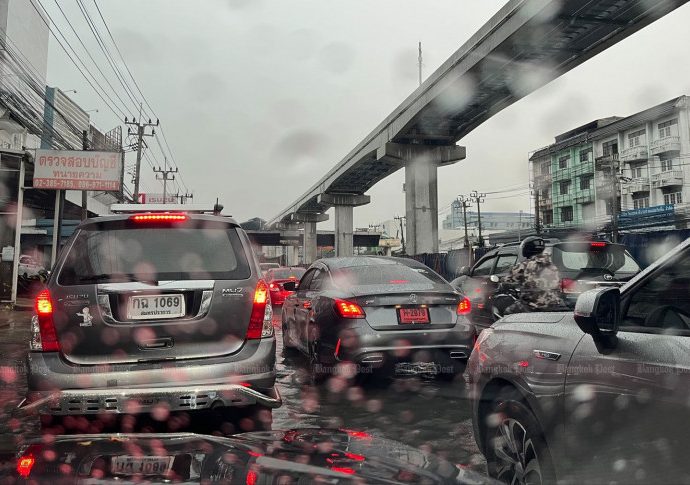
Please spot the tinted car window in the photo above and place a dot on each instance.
(578, 257)
(484, 267)
(306, 279)
(123, 252)
(384, 274)
(318, 280)
(504, 263)
(285, 274)
(663, 301)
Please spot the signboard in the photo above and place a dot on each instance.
(157, 199)
(77, 170)
(647, 215)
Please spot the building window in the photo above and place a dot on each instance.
(545, 193)
(674, 198)
(637, 171)
(548, 217)
(546, 168)
(636, 138)
(586, 182)
(563, 162)
(567, 214)
(585, 155)
(610, 147)
(641, 202)
(565, 187)
(666, 165)
(667, 127)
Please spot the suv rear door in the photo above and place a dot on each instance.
(130, 291)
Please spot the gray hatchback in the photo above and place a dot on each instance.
(154, 309)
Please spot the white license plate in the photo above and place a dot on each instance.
(141, 465)
(153, 307)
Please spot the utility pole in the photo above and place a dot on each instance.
(614, 202)
(401, 220)
(478, 198)
(465, 204)
(420, 63)
(84, 195)
(537, 216)
(164, 173)
(141, 133)
(183, 198)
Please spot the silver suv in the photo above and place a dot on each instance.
(153, 309)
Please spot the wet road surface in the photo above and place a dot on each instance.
(421, 412)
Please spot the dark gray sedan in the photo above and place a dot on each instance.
(600, 395)
(389, 314)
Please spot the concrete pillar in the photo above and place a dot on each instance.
(421, 189)
(344, 230)
(292, 255)
(309, 238)
(309, 248)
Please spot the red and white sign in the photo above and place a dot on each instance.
(78, 170)
(157, 199)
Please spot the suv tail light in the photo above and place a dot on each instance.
(43, 326)
(464, 306)
(28, 459)
(568, 285)
(348, 309)
(261, 320)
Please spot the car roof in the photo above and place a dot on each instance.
(127, 216)
(354, 261)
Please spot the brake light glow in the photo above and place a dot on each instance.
(261, 319)
(598, 244)
(272, 286)
(346, 470)
(44, 336)
(568, 285)
(348, 309)
(24, 466)
(464, 306)
(165, 217)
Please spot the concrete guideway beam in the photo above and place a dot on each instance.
(421, 189)
(344, 229)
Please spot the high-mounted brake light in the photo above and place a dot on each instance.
(464, 306)
(261, 319)
(165, 217)
(348, 309)
(44, 336)
(598, 244)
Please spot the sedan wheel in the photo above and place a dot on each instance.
(516, 450)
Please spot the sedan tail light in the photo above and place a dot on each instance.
(261, 320)
(464, 306)
(44, 336)
(568, 285)
(348, 309)
(27, 461)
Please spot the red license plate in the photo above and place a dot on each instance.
(413, 315)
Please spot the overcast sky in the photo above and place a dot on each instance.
(259, 98)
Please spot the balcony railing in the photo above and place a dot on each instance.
(667, 178)
(665, 145)
(634, 154)
(635, 186)
(606, 160)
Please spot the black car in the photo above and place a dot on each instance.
(378, 312)
(582, 265)
(152, 309)
(598, 395)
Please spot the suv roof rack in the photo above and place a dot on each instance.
(188, 208)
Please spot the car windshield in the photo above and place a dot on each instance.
(378, 241)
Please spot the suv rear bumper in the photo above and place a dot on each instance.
(182, 398)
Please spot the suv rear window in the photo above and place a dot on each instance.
(583, 256)
(120, 251)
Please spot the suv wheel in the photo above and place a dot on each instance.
(515, 448)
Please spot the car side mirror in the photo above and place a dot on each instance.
(597, 313)
(464, 271)
(290, 285)
(494, 279)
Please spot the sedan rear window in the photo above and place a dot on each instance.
(582, 257)
(125, 253)
(385, 274)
